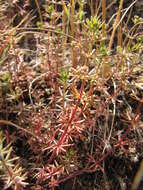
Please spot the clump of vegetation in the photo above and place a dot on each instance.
(71, 95)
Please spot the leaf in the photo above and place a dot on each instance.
(75, 92)
(65, 9)
(6, 77)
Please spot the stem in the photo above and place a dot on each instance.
(39, 11)
(92, 8)
(115, 24)
(103, 19)
(4, 122)
(73, 30)
(72, 18)
(68, 125)
(120, 35)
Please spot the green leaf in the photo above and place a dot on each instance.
(65, 9)
(6, 77)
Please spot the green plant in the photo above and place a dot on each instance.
(94, 25)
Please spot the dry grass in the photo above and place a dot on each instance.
(71, 94)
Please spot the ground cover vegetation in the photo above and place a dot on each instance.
(71, 94)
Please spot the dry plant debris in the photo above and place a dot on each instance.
(71, 95)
